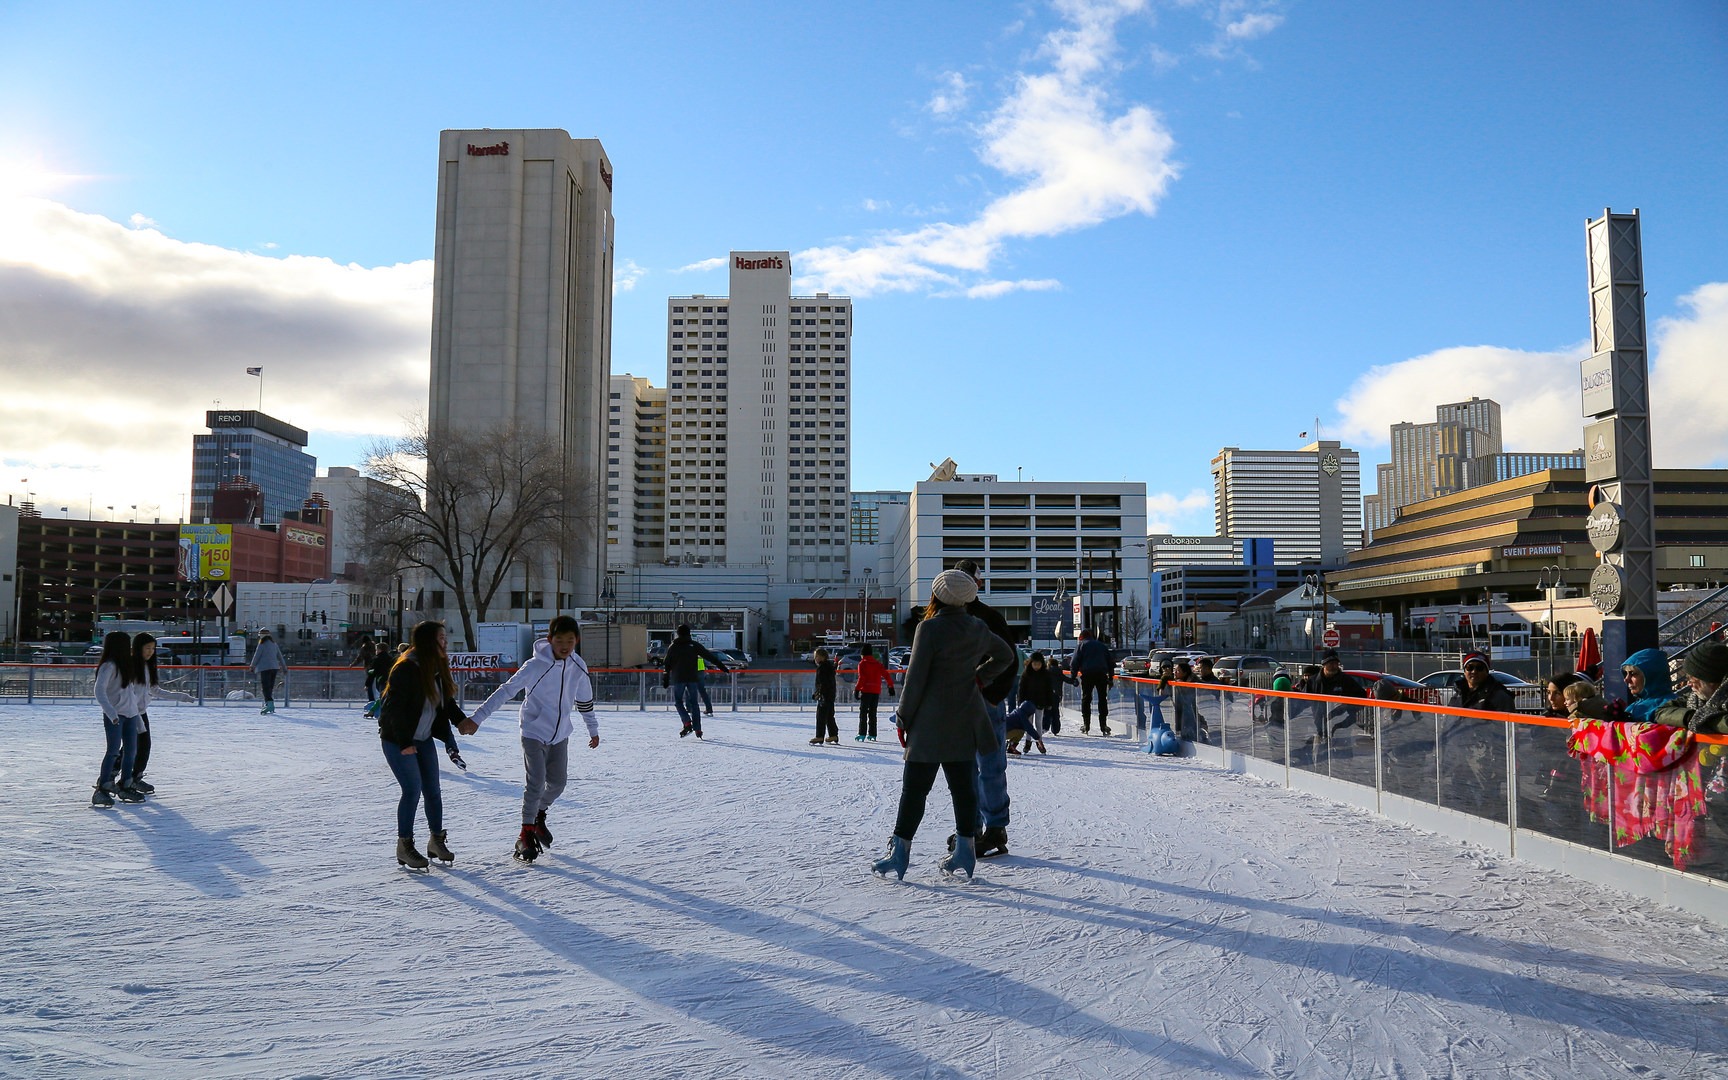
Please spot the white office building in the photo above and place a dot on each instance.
(635, 473)
(758, 448)
(1308, 502)
(1030, 539)
(352, 497)
(522, 311)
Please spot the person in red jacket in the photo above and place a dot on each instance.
(872, 676)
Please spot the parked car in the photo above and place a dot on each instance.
(899, 657)
(1443, 680)
(736, 659)
(1408, 689)
(1135, 666)
(1230, 669)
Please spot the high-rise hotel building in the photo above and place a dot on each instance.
(522, 313)
(635, 472)
(758, 447)
(1308, 502)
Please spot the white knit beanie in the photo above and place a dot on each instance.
(954, 587)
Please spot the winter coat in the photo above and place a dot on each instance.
(379, 669)
(1492, 696)
(114, 692)
(996, 690)
(681, 657)
(549, 687)
(942, 710)
(1706, 716)
(405, 699)
(1042, 687)
(871, 675)
(825, 681)
(1339, 685)
(267, 657)
(1092, 658)
(1658, 685)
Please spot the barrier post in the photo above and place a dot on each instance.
(732, 677)
(30, 686)
(1511, 788)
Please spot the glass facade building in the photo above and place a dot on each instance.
(261, 448)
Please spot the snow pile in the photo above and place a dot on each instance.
(706, 911)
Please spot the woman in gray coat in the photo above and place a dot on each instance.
(945, 720)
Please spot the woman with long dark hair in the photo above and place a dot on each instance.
(116, 673)
(146, 687)
(945, 720)
(420, 705)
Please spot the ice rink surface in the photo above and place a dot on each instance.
(707, 911)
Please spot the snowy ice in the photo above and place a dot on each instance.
(707, 911)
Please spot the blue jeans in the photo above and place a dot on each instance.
(702, 688)
(122, 736)
(684, 700)
(418, 775)
(993, 773)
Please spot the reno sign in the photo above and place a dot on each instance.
(771, 262)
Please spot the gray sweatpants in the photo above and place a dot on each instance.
(547, 769)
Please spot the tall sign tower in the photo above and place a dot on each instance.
(1616, 390)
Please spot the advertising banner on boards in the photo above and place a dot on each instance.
(206, 552)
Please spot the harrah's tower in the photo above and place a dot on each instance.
(522, 316)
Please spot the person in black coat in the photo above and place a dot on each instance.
(419, 705)
(1331, 681)
(684, 678)
(826, 688)
(1040, 705)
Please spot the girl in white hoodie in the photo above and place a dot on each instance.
(550, 682)
(116, 676)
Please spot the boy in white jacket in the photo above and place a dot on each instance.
(550, 682)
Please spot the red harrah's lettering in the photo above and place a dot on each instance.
(500, 149)
(606, 175)
(758, 264)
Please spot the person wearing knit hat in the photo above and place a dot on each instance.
(1703, 705)
(954, 588)
(945, 720)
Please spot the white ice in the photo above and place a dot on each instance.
(707, 911)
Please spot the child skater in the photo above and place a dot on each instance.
(144, 688)
(550, 682)
(871, 678)
(824, 695)
(115, 675)
(1040, 705)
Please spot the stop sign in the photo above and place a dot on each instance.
(1330, 638)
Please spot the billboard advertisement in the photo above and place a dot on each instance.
(1046, 618)
(206, 552)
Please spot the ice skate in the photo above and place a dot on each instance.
(527, 844)
(817, 741)
(409, 857)
(992, 842)
(895, 861)
(141, 787)
(437, 849)
(687, 730)
(101, 798)
(128, 794)
(541, 833)
(961, 862)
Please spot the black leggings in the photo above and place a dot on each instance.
(915, 786)
(867, 714)
(825, 726)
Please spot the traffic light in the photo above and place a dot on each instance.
(324, 617)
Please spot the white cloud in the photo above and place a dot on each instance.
(1539, 393)
(876, 205)
(989, 290)
(952, 97)
(625, 276)
(117, 339)
(1077, 164)
(1251, 26)
(1182, 515)
(706, 264)
(139, 221)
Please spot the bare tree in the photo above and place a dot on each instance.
(485, 502)
(1135, 618)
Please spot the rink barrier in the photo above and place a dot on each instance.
(1500, 780)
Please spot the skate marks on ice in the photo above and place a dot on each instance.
(710, 912)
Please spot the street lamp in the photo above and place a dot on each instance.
(1550, 587)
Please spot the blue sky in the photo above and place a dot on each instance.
(1090, 240)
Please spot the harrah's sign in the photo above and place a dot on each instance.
(495, 150)
(758, 264)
